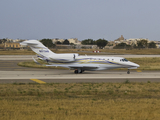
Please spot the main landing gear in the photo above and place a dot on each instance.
(78, 71)
(128, 72)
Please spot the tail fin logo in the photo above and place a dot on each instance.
(43, 50)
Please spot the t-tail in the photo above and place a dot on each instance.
(42, 51)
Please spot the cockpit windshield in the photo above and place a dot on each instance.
(124, 60)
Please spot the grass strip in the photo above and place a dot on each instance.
(80, 101)
(87, 51)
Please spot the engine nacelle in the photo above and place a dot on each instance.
(64, 57)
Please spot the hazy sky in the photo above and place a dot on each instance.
(82, 19)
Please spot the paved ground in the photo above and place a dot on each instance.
(29, 57)
(11, 65)
(67, 76)
(11, 73)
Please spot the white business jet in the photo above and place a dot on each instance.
(78, 63)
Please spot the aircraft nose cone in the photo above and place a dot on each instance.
(137, 65)
(134, 64)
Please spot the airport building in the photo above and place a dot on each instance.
(56, 40)
(71, 40)
(12, 45)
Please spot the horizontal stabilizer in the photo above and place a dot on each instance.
(36, 61)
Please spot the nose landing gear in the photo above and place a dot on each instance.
(128, 72)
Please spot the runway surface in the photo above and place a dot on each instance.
(29, 57)
(11, 73)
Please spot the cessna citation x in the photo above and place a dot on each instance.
(78, 63)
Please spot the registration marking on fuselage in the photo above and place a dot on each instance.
(38, 81)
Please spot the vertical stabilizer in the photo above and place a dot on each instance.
(38, 48)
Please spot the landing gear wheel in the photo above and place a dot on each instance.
(76, 71)
(128, 72)
(82, 71)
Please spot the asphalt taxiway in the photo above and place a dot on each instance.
(29, 57)
(10, 72)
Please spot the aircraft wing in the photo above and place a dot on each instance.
(76, 66)
(73, 66)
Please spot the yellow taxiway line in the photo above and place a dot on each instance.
(38, 81)
(139, 71)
